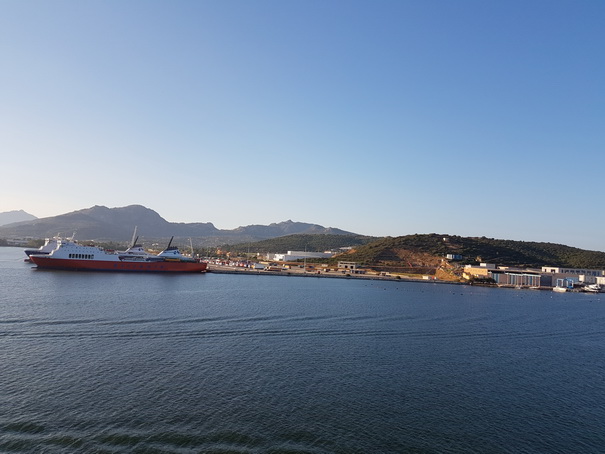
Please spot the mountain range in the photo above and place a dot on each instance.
(117, 224)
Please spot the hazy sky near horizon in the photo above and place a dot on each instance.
(469, 117)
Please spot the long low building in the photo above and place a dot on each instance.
(573, 271)
(519, 278)
(292, 256)
(507, 276)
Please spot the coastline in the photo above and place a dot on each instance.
(218, 269)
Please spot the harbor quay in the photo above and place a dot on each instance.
(318, 272)
(301, 272)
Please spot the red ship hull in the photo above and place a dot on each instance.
(48, 262)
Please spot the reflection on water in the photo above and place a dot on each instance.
(102, 362)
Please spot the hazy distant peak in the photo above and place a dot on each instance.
(288, 227)
(10, 217)
(127, 213)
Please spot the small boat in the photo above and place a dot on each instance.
(559, 289)
(173, 254)
(70, 255)
(592, 288)
(135, 251)
(49, 245)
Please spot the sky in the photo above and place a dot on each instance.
(382, 117)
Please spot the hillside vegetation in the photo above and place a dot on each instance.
(300, 242)
(407, 250)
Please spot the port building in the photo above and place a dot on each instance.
(292, 256)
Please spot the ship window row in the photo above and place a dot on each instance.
(81, 256)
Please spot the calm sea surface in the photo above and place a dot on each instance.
(217, 363)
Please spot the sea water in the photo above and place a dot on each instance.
(219, 363)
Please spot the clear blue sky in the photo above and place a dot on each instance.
(475, 118)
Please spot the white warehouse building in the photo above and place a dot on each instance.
(291, 256)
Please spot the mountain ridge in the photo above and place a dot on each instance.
(101, 223)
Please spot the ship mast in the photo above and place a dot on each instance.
(134, 237)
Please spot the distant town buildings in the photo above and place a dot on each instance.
(547, 276)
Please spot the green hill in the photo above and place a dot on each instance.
(300, 242)
(404, 250)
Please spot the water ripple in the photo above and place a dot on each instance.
(158, 328)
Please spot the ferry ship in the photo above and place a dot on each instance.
(69, 255)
